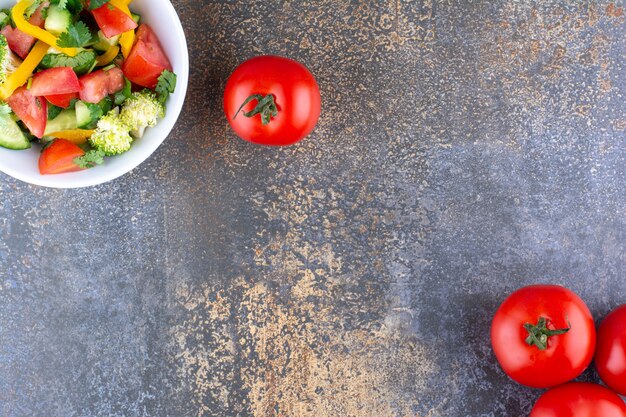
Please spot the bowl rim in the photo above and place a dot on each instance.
(165, 126)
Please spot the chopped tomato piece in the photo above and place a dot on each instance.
(31, 110)
(116, 80)
(20, 42)
(54, 81)
(112, 21)
(37, 17)
(59, 157)
(62, 100)
(99, 84)
(94, 87)
(147, 60)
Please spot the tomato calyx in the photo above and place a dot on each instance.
(266, 107)
(538, 334)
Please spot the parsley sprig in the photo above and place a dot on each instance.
(77, 36)
(90, 159)
(166, 85)
(94, 4)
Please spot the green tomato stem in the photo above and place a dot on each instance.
(538, 334)
(266, 107)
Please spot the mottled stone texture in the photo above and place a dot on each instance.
(465, 149)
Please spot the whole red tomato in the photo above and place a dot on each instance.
(579, 399)
(543, 335)
(611, 351)
(272, 100)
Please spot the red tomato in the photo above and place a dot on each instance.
(20, 42)
(281, 97)
(59, 157)
(62, 100)
(147, 35)
(31, 110)
(112, 21)
(37, 17)
(54, 81)
(543, 335)
(99, 84)
(116, 81)
(147, 60)
(610, 355)
(579, 399)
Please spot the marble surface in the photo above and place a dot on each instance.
(465, 149)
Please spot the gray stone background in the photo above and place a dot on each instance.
(466, 148)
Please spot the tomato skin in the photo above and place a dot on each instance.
(55, 81)
(115, 80)
(62, 100)
(146, 60)
(59, 158)
(610, 357)
(96, 86)
(31, 110)
(566, 355)
(112, 21)
(579, 399)
(296, 94)
(20, 42)
(147, 35)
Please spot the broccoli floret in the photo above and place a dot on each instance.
(8, 60)
(112, 136)
(142, 110)
(115, 131)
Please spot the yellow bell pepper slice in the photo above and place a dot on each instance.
(77, 136)
(24, 71)
(127, 40)
(108, 56)
(120, 4)
(35, 31)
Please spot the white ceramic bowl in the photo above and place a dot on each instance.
(162, 17)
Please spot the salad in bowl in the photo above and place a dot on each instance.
(80, 80)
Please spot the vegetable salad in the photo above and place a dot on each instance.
(83, 78)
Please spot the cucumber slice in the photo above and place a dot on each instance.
(11, 136)
(87, 114)
(136, 17)
(105, 43)
(66, 120)
(58, 20)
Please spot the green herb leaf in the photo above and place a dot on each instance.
(166, 85)
(73, 6)
(77, 36)
(81, 63)
(90, 159)
(53, 111)
(32, 9)
(95, 113)
(94, 4)
(106, 104)
(121, 96)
